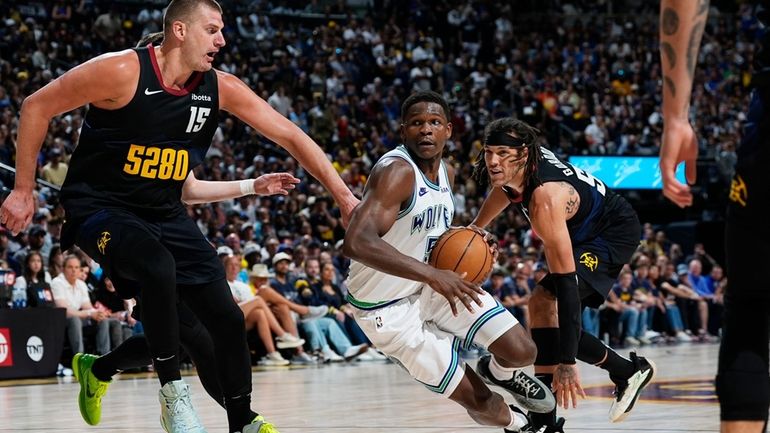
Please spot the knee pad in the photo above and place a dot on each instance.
(743, 388)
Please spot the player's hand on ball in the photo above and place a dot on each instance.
(566, 385)
(453, 287)
(275, 183)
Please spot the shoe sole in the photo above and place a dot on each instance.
(625, 414)
(289, 344)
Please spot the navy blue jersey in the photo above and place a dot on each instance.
(138, 157)
(600, 208)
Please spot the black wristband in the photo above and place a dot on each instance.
(568, 300)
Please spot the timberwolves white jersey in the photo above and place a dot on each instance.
(416, 229)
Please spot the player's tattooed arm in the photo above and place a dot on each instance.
(573, 199)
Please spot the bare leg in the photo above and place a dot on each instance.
(742, 426)
(272, 297)
(258, 319)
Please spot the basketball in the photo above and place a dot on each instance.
(463, 250)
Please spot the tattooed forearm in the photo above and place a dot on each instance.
(668, 50)
(670, 85)
(693, 45)
(669, 21)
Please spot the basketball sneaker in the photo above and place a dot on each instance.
(627, 392)
(531, 428)
(91, 389)
(259, 425)
(528, 391)
(176, 411)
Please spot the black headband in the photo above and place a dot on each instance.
(500, 138)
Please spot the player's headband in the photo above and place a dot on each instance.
(500, 138)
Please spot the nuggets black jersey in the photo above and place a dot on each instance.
(600, 207)
(138, 157)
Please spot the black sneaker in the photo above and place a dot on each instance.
(627, 392)
(529, 392)
(531, 428)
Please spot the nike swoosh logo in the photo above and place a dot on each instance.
(148, 92)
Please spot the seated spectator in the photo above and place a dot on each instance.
(117, 308)
(258, 316)
(70, 292)
(326, 292)
(35, 281)
(633, 314)
(284, 309)
(507, 295)
(716, 284)
(667, 283)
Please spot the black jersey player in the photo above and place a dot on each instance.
(151, 118)
(742, 383)
(588, 233)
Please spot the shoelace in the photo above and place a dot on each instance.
(530, 387)
(177, 406)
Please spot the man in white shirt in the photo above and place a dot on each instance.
(72, 293)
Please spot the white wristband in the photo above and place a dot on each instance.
(247, 187)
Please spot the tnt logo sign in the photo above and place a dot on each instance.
(6, 358)
(35, 348)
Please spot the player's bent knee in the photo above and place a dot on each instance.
(744, 389)
(516, 347)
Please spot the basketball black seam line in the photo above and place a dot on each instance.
(484, 265)
(438, 252)
(464, 251)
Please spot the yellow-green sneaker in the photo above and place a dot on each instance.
(91, 389)
(259, 425)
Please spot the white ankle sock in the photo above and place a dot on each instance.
(517, 421)
(500, 372)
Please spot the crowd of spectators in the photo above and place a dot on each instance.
(589, 80)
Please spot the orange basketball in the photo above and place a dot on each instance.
(463, 250)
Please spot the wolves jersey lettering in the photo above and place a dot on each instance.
(416, 229)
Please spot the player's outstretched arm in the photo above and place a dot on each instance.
(195, 191)
(548, 212)
(107, 81)
(375, 216)
(237, 98)
(493, 205)
(681, 29)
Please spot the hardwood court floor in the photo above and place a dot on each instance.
(373, 398)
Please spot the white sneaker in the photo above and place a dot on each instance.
(355, 351)
(376, 355)
(628, 392)
(631, 341)
(304, 359)
(650, 334)
(644, 340)
(177, 414)
(288, 341)
(273, 359)
(330, 355)
(682, 337)
(365, 357)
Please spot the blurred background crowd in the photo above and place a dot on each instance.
(587, 74)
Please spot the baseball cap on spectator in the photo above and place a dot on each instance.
(224, 250)
(250, 248)
(285, 248)
(280, 256)
(260, 271)
(682, 269)
(36, 230)
(259, 158)
(54, 152)
(540, 266)
(497, 272)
